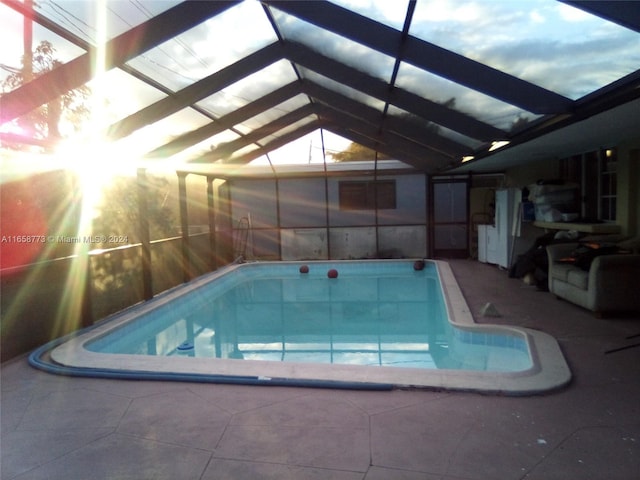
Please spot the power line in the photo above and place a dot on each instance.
(64, 13)
(10, 69)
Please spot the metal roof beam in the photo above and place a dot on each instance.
(427, 56)
(346, 111)
(365, 141)
(376, 146)
(119, 50)
(408, 129)
(225, 150)
(226, 122)
(196, 91)
(328, 113)
(430, 111)
(277, 143)
(398, 144)
(625, 13)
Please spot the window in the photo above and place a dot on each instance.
(367, 195)
(608, 184)
(595, 172)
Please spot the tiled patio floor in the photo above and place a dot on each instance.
(70, 428)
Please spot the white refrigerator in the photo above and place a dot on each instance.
(495, 242)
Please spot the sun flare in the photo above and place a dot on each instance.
(95, 166)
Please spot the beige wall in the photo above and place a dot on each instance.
(532, 172)
(628, 212)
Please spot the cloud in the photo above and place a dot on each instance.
(450, 11)
(572, 14)
(536, 17)
(390, 13)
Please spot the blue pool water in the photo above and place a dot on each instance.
(374, 313)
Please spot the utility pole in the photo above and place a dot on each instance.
(27, 42)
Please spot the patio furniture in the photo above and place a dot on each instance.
(608, 283)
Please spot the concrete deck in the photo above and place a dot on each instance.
(69, 428)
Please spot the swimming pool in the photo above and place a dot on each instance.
(377, 323)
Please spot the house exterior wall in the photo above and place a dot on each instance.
(301, 219)
(628, 211)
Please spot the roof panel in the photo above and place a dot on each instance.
(440, 90)
(307, 149)
(249, 88)
(11, 53)
(334, 46)
(120, 95)
(273, 113)
(295, 126)
(117, 51)
(471, 143)
(147, 138)
(537, 54)
(385, 12)
(205, 147)
(246, 150)
(550, 44)
(195, 54)
(340, 88)
(426, 55)
(93, 20)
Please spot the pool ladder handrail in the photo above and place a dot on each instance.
(241, 236)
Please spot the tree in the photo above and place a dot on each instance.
(356, 152)
(119, 217)
(44, 122)
(519, 124)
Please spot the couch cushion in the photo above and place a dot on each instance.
(561, 270)
(578, 278)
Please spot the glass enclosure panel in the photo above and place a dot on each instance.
(402, 241)
(335, 46)
(450, 202)
(255, 199)
(243, 151)
(302, 203)
(411, 202)
(438, 89)
(306, 149)
(207, 48)
(550, 44)
(273, 113)
(391, 14)
(450, 237)
(194, 152)
(295, 126)
(82, 18)
(118, 95)
(351, 242)
(340, 88)
(159, 133)
(267, 139)
(249, 88)
(472, 143)
(12, 50)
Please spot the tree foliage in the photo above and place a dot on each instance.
(520, 123)
(44, 122)
(356, 152)
(118, 215)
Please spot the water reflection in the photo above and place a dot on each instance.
(394, 320)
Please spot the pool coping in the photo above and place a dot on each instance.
(550, 370)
